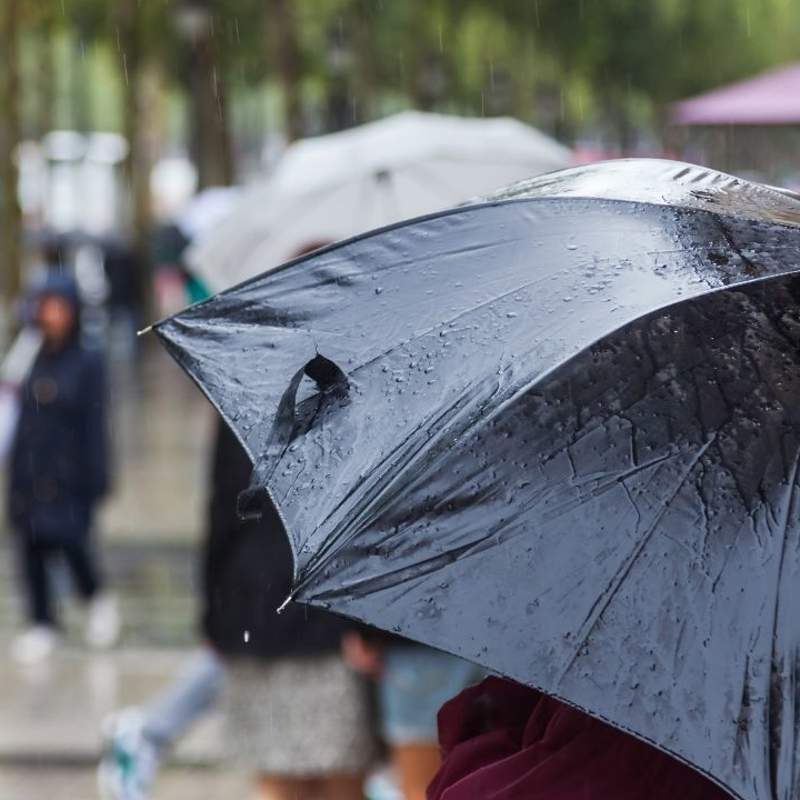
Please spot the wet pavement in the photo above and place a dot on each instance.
(52, 717)
(53, 712)
(78, 783)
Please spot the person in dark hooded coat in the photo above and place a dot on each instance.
(59, 470)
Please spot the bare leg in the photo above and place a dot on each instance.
(415, 764)
(334, 787)
(341, 787)
(277, 787)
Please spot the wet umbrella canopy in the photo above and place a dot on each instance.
(556, 433)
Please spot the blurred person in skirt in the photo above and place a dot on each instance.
(297, 715)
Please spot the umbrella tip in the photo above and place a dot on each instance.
(143, 331)
(282, 606)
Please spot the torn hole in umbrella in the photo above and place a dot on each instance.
(297, 413)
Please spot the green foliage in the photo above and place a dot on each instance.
(568, 65)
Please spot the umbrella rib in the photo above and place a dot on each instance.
(336, 541)
(774, 751)
(417, 569)
(601, 604)
(473, 547)
(407, 450)
(726, 235)
(448, 322)
(555, 367)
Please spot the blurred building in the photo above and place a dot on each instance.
(750, 127)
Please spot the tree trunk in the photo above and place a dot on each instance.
(619, 118)
(424, 77)
(289, 62)
(80, 95)
(137, 166)
(211, 139)
(10, 214)
(366, 62)
(45, 78)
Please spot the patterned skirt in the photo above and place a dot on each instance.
(298, 716)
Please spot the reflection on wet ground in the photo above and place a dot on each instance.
(53, 712)
(78, 783)
(52, 717)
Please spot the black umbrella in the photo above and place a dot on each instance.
(558, 436)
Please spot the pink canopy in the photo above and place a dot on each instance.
(772, 98)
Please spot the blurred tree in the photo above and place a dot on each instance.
(341, 97)
(283, 37)
(42, 24)
(10, 215)
(366, 58)
(201, 27)
(638, 55)
(129, 21)
(411, 46)
(340, 64)
(597, 68)
(82, 25)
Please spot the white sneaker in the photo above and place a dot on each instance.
(130, 762)
(34, 645)
(102, 622)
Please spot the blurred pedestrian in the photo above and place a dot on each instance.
(123, 272)
(297, 715)
(59, 471)
(136, 740)
(414, 682)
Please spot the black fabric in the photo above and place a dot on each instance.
(36, 557)
(59, 460)
(122, 270)
(247, 569)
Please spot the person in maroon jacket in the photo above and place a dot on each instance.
(504, 741)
